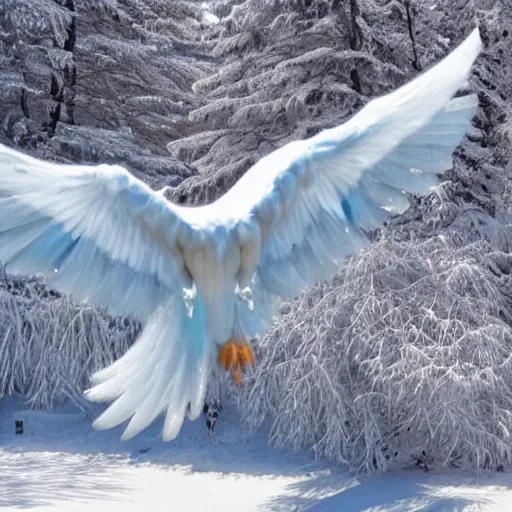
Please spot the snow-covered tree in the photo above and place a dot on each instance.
(289, 69)
(101, 80)
(404, 358)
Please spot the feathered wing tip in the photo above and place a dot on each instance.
(411, 166)
(438, 84)
(167, 369)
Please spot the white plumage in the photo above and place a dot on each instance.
(200, 277)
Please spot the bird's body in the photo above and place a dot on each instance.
(206, 279)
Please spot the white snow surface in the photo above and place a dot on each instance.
(208, 17)
(60, 463)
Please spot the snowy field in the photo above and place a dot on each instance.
(60, 463)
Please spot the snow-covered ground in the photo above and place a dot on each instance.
(60, 463)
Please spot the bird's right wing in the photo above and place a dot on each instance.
(97, 232)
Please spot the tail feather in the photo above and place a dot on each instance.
(131, 357)
(175, 415)
(165, 370)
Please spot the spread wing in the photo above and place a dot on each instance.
(96, 232)
(311, 197)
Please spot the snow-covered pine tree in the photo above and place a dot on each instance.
(404, 358)
(101, 80)
(288, 69)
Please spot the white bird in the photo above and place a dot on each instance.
(205, 279)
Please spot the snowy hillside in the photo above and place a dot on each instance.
(59, 463)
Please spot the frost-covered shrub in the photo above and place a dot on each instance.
(405, 356)
(49, 346)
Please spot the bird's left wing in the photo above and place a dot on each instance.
(96, 232)
(310, 198)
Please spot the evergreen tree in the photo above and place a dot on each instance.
(101, 81)
(404, 358)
